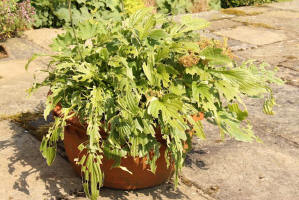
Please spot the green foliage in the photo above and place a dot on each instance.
(174, 7)
(14, 17)
(131, 6)
(215, 4)
(54, 13)
(131, 75)
(238, 3)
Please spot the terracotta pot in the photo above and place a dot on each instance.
(141, 177)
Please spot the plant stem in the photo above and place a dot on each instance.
(72, 25)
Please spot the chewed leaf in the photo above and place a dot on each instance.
(241, 115)
(215, 56)
(268, 106)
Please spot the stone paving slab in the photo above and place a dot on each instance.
(289, 5)
(24, 173)
(42, 37)
(274, 53)
(257, 36)
(285, 122)
(286, 23)
(235, 170)
(164, 191)
(222, 24)
(13, 85)
(20, 49)
(211, 15)
(282, 14)
(248, 10)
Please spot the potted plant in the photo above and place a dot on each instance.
(131, 90)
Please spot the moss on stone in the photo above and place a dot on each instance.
(32, 122)
(237, 12)
(259, 25)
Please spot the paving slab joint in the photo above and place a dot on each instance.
(294, 143)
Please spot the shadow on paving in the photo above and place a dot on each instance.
(26, 163)
(164, 191)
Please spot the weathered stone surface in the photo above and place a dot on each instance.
(284, 20)
(236, 45)
(164, 191)
(282, 14)
(210, 15)
(256, 36)
(235, 170)
(24, 173)
(42, 37)
(20, 49)
(285, 121)
(222, 24)
(251, 10)
(274, 53)
(289, 5)
(13, 85)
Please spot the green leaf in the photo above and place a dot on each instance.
(63, 14)
(204, 75)
(234, 128)
(215, 56)
(148, 71)
(180, 134)
(145, 30)
(241, 115)
(193, 23)
(169, 108)
(87, 30)
(202, 95)
(158, 34)
(50, 154)
(268, 106)
(230, 91)
(197, 128)
(139, 16)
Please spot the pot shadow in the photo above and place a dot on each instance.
(193, 160)
(163, 191)
(60, 181)
(30, 171)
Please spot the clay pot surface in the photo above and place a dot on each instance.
(141, 177)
